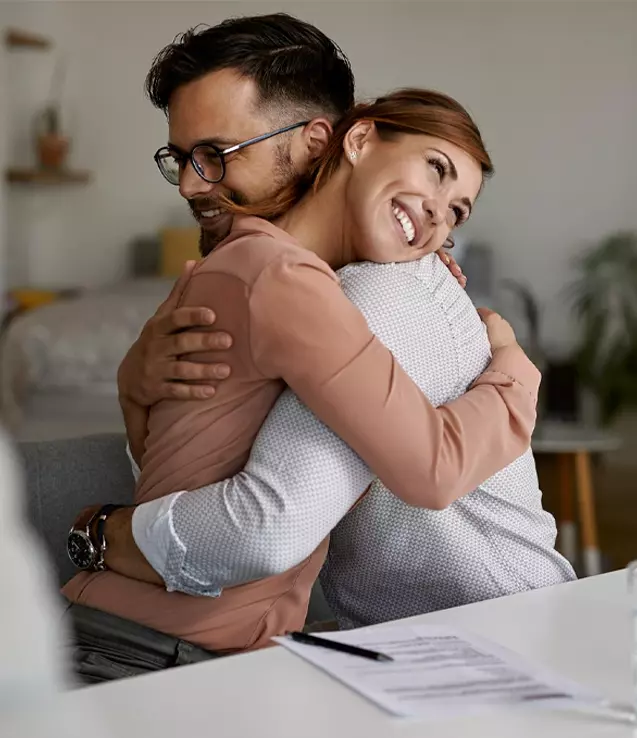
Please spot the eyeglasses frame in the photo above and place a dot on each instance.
(221, 153)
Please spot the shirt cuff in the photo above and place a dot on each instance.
(511, 362)
(136, 470)
(153, 530)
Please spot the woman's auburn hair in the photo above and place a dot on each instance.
(411, 111)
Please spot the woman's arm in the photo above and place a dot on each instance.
(300, 479)
(156, 367)
(306, 331)
(136, 424)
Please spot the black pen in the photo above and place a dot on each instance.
(310, 640)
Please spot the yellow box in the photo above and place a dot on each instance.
(27, 298)
(178, 245)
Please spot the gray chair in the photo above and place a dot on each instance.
(64, 476)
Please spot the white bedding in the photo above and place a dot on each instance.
(75, 345)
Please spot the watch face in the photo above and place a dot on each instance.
(80, 549)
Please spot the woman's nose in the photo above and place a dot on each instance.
(433, 210)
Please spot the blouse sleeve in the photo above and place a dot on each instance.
(304, 329)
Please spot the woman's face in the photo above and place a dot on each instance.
(405, 196)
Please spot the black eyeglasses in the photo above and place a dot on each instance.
(208, 160)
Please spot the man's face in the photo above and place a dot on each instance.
(221, 109)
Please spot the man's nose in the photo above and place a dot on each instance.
(434, 210)
(191, 185)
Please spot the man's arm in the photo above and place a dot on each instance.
(300, 480)
(504, 378)
(155, 368)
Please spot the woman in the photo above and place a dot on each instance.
(399, 176)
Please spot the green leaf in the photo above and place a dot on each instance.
(604, 301)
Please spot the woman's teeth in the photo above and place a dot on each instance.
(405, 221)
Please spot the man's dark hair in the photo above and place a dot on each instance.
(291, 62)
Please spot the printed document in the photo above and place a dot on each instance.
(438, 671)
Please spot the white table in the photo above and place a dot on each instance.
(573, 445)
(581, 629)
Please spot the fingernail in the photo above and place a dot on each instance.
(223, 371)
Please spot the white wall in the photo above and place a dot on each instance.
(3, 160)
(553, 86)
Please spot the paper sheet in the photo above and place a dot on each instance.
(438, 671)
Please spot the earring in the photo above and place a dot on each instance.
(353, 155)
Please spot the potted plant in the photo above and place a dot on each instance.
(52, 146)
(604, 298)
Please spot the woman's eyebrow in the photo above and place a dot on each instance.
(453, 172)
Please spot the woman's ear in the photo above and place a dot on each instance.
(356, 139)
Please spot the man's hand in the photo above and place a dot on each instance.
(85, 515)
(453, 266)
(499, 332)
(122, 554)
(155, 368)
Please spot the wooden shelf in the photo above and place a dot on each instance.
(23, 39)
(47, 176)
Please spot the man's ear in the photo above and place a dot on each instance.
(357, 138)
(316, 136)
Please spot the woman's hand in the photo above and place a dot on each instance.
(453, 266)
(157, 367)
(499, 331)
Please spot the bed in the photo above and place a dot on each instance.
(58, 362)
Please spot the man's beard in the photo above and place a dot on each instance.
(283, 173)
(210, 238)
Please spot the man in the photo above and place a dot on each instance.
(268, 51)
(218, 107)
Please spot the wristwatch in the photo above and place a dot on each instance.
(85, 553)
(80, 547)
(102, 515)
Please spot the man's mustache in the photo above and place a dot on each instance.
(200, 205)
